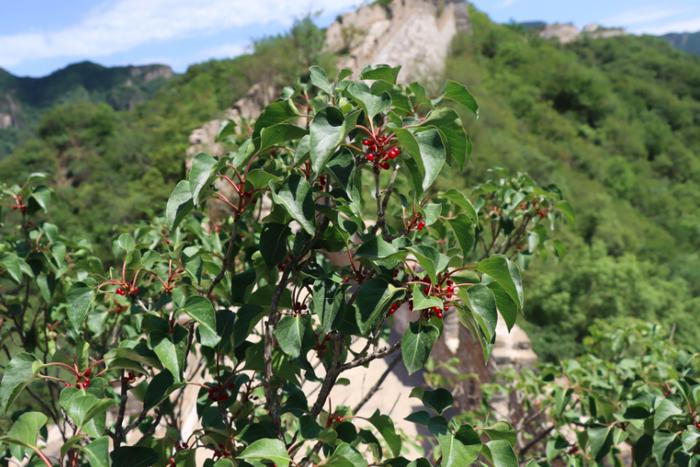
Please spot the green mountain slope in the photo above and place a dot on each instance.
(23, 99)
(687, 41)
(613, 122)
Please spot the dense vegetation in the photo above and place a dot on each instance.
(614, 123)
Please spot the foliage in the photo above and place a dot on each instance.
(249, 306)
(635, 388)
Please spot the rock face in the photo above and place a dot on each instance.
(5, 121)
(567, 32)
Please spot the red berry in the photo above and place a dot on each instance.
(370, 157)
(385, 165)
(121, 292)
(366, 142)
(439, 314)
(436, 309)
(171, 462)
(87, 372)
(134, 291)
(86, 383)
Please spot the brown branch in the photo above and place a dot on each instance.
(228, 258)
(118, 427)
(364, 360)
(536, 440)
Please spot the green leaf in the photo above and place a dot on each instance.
(373, 298)
(80, 299)
(663, 410)
(289, 334)
(167, 354)
(381, 72)
(273, 243)
(202, 311)
(266, 449)
(458, 93)
(456, 454)
(502, 453)
(464, 230)
(421, 302)
(599, 441)
(158, 389)
(25, 431)
(203, 166)
(319, 78)
(260, 178)
(461, 201)
(482, 302)
(505, 304)
(326, 133)
(439, 399)
(276, 112)
(179, 204)
(451, 128)
(416, 344)
(371, 104)
(506, 274)
(430, 260)
(97, 452)
(15, 266)
(42, 195)
(432, 155)
(279, 134)
(327, 299)
(662, 444)
(296, 197)
(385, 426)
(134, 456)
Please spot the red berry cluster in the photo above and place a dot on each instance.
(416, 223)
(380, 150)
(83, 379)
(322, 182)
(392, 309)
(298, 308)
(333, 419)
(222, 451)
(128, 290)
(444, 290)
(219, 393)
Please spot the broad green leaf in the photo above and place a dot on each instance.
(460, 200)
(179, 204)
(502, 453)
(456, 454)
(201, 310)
(345, 456)
(416, 344)
(134, 456)
(326, 133)
(430, 259)
(260, 178)
(266, 449)
(319, 78)
(505, 304)
(506, 274)
(439, 399)
(327, 299)
(25, 431)
(373, 298)
(464, 230)
(159, 388)
(42, 195)
(276, 112)
(279, 134)
(599, 441)
(15, 266)
(371, 104)
(458, 93)
(663, 410)
(662, 446)
(289, 334)
(432, 155)
(273, 243)
(458, 146)
(203, 167)
(296, 197)
(97, 452)
(167, 354)
(421, 302)
(376, 248)
(385, 426)
(80, 299)
(482, 302)
(381, 72)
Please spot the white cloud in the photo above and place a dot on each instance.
(642, 16)
(124, 24)
(223, 51)
(686, 25)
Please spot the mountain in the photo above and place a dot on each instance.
(24, 99)
(612, 121)
(687, 41)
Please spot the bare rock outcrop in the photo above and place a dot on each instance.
(568, 32)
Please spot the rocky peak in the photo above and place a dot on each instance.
(568, 32)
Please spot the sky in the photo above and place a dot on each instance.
(40, 36)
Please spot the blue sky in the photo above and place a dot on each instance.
(39, 36)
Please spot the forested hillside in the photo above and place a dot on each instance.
(613, 122)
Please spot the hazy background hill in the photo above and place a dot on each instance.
(614, 122)
(687, 41)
